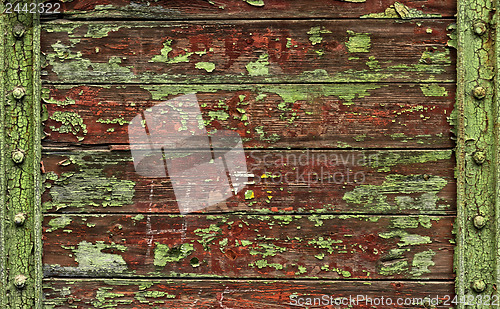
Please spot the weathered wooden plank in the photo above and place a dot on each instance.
(173, 294)
(248, 51)
(249, 246)
(248, 9)
(270, 116)
(284, 181)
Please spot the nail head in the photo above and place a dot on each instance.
(18, 156)
(18, 93)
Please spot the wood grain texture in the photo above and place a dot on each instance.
(240, 9)
(284, 182)
(274, 51)
(249, 246)
(266, 116)
(180, 294)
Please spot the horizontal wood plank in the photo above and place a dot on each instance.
(273, 51)
(256, 9)
(283, 181)
(249, 246)
(265, 116)
(180, 294)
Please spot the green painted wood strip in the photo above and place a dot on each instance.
(20, 227)
(476, 260)
(255, 294)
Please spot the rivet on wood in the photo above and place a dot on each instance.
(19, 219)
(20, 281)
(18, 30)
(479, 92)
(479, 28)
(18, 156)
(479, 222)
(479, 286)
(18, 93)
(479, 157)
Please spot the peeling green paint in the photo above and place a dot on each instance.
(264, 263)
(433, 90)
(315, 34)
(267, 250)
(404, 187)
(71, 122)
(92, 261)
(406, 239)
(88, 186)
(120, 120)
(421, 263)
(400, 10)
(358, 42)
(165, 254)
(393, 158)
(394, 267)
(164, 57)
(255, 2)
(99, 30)
(106, 299)
(58, 223)
(207, 66)
(259, 67)
(331, 245)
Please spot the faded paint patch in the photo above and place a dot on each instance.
(404, 188)
(358, 42)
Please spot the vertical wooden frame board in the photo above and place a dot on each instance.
(476, 262)
(20, 215)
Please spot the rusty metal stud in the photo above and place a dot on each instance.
(479, 222)
(19, 219)
(18, 30)
(479, 28)
(479, 157)
(479, 92)
(18, 156)
(20, 281)
(479, 286)
(18, 93)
